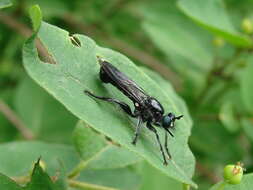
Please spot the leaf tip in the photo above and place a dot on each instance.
(36, 16)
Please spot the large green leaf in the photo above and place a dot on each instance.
(154, 179)
(76, 69)
(212, 15)
(246, 184)
(17, 158)
(187, 45)
(48, 120)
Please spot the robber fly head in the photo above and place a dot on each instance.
(168, 121)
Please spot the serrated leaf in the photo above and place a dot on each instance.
(8, 184)
(212, 15)
(76, 69)
(17, 158)
(246, 85)
(5, 4)
(245, 184)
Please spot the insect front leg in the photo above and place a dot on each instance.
(151, 128)
(126, 108)
(137, 131)
(166, 144)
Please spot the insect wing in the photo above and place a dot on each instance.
(123, 83)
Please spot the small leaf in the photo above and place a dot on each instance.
(212, 15)
(40, 180)
(36, 16)
(227, 116)
(5, 4)
(8, 184)
(246, 85)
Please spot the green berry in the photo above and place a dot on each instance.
(233, 173)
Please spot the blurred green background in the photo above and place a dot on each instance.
(204, 48)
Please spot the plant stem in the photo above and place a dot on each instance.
(16, 121)
(78, 169)
(85, 186)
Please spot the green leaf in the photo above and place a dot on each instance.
(247, 125)
(40, 180)
(169, 29)
(99, 154)
(120, 178)
(17, 158)
(246, 184)
(77, 69)
(5, 3)
(154, 179)
(246, 85)
(8, 184)
(87, 142)
(36, 17)
(48, 120)
(212, 15)
(228, 116)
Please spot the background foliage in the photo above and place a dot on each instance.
(201, 48)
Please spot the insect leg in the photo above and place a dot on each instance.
(166, 145)
(126, 108)
(137, 131)
(150, 127)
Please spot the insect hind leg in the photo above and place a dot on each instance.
(126, 108)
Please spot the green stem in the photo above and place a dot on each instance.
(222, 185)
(85, 186)
(75, 172)
(186, 186)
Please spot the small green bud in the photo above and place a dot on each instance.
(233, 173)
(218, 41)
(247, 26)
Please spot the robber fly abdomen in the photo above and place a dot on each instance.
(147, 109)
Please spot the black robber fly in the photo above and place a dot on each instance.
(147, 108)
